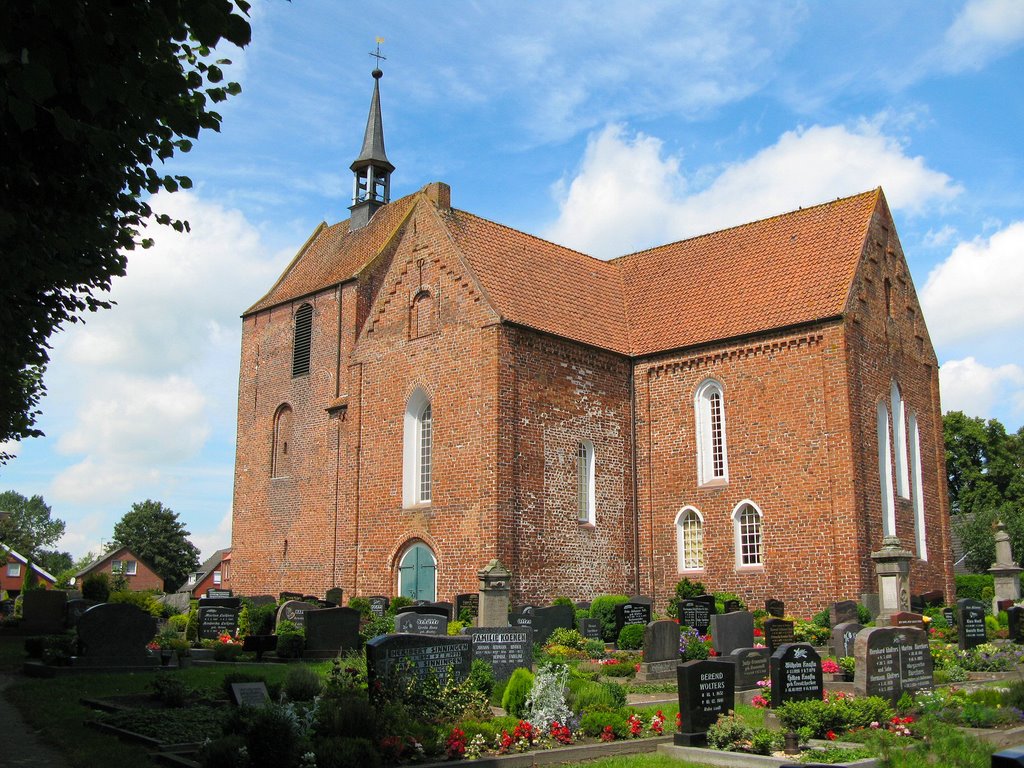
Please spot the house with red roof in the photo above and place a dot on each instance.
(424, 390)
(14, 569)
(138, 574)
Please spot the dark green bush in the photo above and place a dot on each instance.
(513, 700)
(594, 722)
(302, 684)
(144, 601)
(271, 739)
(570, 638)
(603, 609)
(398, 602)
(171, 690)
(684, 589)
(481, 677)
(96, 586)
(489, 729)
(631, 638)
(178, 622)
(192, 626)
(256, 619)
(360, 604)
(347, 717)
(585, 695)
(290, 640)
(338, 752)
(972, 585)
(225, 752)
(722, 597)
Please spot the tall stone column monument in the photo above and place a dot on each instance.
(495, 587)
(1005, 571)
(892, 566)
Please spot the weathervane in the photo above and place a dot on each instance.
(377, 54)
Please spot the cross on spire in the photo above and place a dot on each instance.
(377, 54)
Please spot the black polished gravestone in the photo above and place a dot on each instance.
(449, 608)
(843, 612)
(74, 609)
(285, 596)
(777, 632)
(547, 620)
(421, 623)
(775, 608)
(730, 631)
(590, 629)
(970, 623)
(731, 606)
(115, 635)
(707, 689)
(751, 667)
(631, 613)
(470, 602)
(843, 637)
(427, 609)
(504, 648)
(259, 644)
(330, 631)
(258, 600)
(795, 673)
(43, 611)
(696, 612)
(393, 658)
(216, 620)
(295, 612)
(1015, 624)
(379, 605)
(949, 614)
(522, 618)
(892, 661)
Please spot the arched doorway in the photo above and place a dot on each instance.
(417, 573)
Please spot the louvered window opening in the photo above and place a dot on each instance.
(303, 339)
(692, 532)
(750, 537)
(426, 446)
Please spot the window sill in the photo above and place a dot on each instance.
(586, 525)
(418, 506)
(750, 568)
(719, 483)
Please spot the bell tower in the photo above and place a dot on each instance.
(372, 170)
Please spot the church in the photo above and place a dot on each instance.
(423, 390)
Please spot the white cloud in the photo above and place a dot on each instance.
(626, 196)
(976, 291)
(10, 447)
(983, 31)
(99, 481)
(212, 540)
(937, 239)
(979, 390)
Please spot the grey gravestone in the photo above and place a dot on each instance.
(751, 666)
(295, 612)
(379, 605)
(217, 592)
(259, 600)
(631, 613)
(74, 609)
(731, 606)
(1015, 623)
(469, 601)
(696, 612)
(892, 660)
(949, 614)
(970, 623)
(843, 637)
(870, 601)
(334, 595)
(843, 612)
(250, 694)
(214, 620)
(731, 631)
(795, 673)
(775, 608)
(389, 656)
(905, 619)
(661, 651)
(777, 632)
(42, 611)
(115, 634)
(590, 629)
(504, 648)
(707, 689)
(331, 630)
(426, 609)
(421, 623)
(547, 620)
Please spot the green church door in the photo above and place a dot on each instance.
(417, 573)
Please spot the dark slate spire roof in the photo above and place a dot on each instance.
(373, 140)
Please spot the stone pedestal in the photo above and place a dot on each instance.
(495, 587)
(892, 566)
(1005, 572)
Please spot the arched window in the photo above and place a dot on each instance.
(585, 495)
(747, 523)
(899, 440)
(417, 573)
(303, 339)
(421, 315)
(280, 461)
(712, 462)
(885, 472)
(690, 539)
(417, 475)
(916, 490)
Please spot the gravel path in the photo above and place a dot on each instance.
(21, 747)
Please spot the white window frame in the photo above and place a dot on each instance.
(218, 578)
(712, 435)
(116, 566)
(885, 470)
(586, 492)
(916, 490)
(131, 567)
(418, 450)
(899, 440)
(689, 525)
(13, 570)
(741, 534)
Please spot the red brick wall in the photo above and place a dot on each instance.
(14, 583)
(144, 578)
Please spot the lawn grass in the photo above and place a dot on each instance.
(12, 653)
(646, 760)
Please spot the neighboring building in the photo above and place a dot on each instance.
(423, 390)
(123, 561)
(214, 573)
(12, 577)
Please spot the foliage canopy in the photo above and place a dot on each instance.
(154, 533)
(28, 526)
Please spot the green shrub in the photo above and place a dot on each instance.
(517, 690)
(456, 627)
(729, 732)
(192, 626)
(685, 589)
(481, 677)
(631, 637)
(563, 600)
(171, 690)
(377, 626)
(587, 695)
(225, 752)
(178, 622)
(722, 597)
(96, 586)
(290, 640)
(301, 684)
(570, 638)
(603, 609)
(972, 585)
(764, 741)
(822, 619)
(144, 601)
(594, 649)
(256, 619)
(348, 716)
(360, 604)
(489, 729)
(337, 752)
(398, 602)
(271, 738)
(991, 625)
(594, 722)
(837, 715)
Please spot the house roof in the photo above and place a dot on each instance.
(110, 556)
(781, 271)
(208, 565)
(22, 559)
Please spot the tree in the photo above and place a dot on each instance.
(27, 527)
(154, 533)
(53, 561)
(94, 94)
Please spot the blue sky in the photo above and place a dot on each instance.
(608, 127)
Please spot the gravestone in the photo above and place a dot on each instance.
(334, 595)
(905, 619)
(504, 648)
(1015, 623)
(949, 614)
(259, 644)
(583, 606)
(891, 661)
(590, 629)
(631, 613)
(731, 606)
(731, 631)
(1004, 605)
(546, 620)
(295, 612)
(916, 605)
(447, 607)
(331, 630)
(74, 609)
(379, 605)
(696, 612)
(221, 602)
(425, 609)
(775, 608)
(751, 666)
(970, 623)
(311, 599)
(777, 632)
(218, 592)
(795, 673)
(42, 611)
(843, 612)
(250, 694)
(285, 596)
(421, 623)
(115, 635)
(933, 599)
(214, 620)
(661, 652)
(523, 618)
(401, 656)
(259, 600)
(707, 689)
(526, 609)
(469, 601)
(421, 603)
(843, 637)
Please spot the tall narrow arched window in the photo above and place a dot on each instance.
(712, 461)
(303, 340)
(899, 441)
(747, 523)
(885, 472)
(690, 539)
(281, 461)
(421, 315)
(585, 495)
(417, 473)
(916, 489)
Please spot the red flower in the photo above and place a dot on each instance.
(831, 735)
(608, 734)
(758, 633)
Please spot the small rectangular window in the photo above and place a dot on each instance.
(14, 570)
(116, 566)
(216, 578)
(131, 567)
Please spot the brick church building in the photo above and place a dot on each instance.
(423, 390)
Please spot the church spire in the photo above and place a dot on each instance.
(372, 169)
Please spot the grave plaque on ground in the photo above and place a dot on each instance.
(547, 620)
(795, 673)
(42, 611)
(421, 623)
(250, 694)
(590, 629)
(843, 637)
(891, 661)
(390, 655)
(504, 648)
(706, 690)
(334, 595)
(379, 605)
(905, 619)
(74, 609)
(777, 632)
(215, 620)
(775, 608)
(469, 601)
(751, 666)
(731, 606)
(115, 635)
(949, 614)
(661, 652)
(295, 612)
(696, 612)
(631, 613)
(1015, 623)
(731, 631)
(426, 609)
(330, 630)
(970, 623)
(842, 612)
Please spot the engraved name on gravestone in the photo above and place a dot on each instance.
(949, 614)
(469, 601)
(842, 612)
(795, 673)
(631, 613)
(906, 619)
(250, 694)
(522, 618)
(416, 655)
(777, 632)
(285, 596)
(215, 592)
(696, 612)
(379, 605)
(731, 631)
(970, 623)
(215, 620)
(843, 637)
(295, 612)
(504, 648)
(421, 623)
(590, 629)
(775, 608)
(751, 666)
(891, 661)
(707, 689)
